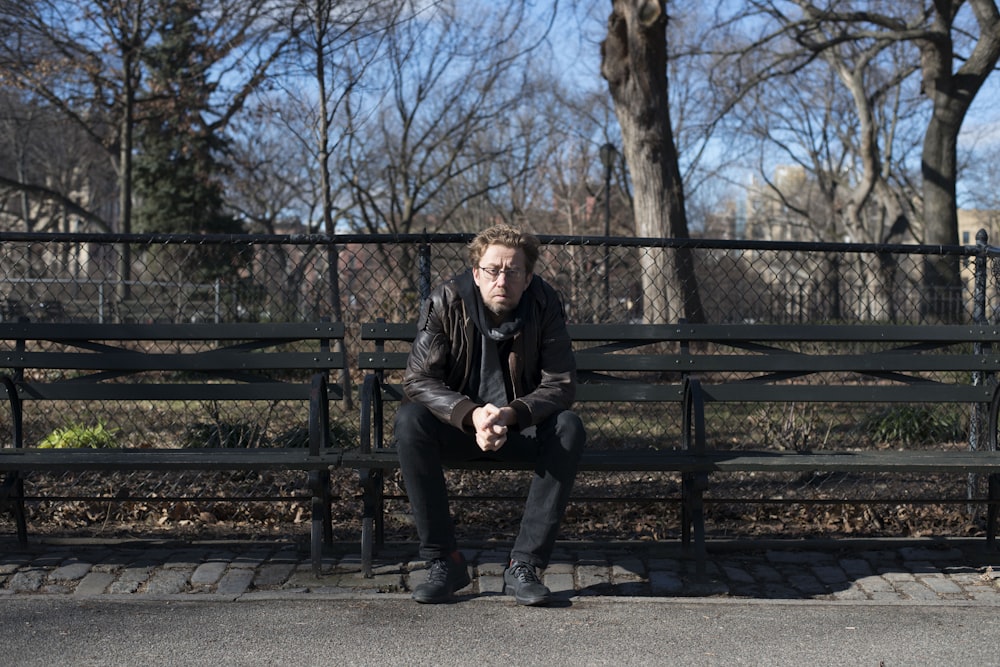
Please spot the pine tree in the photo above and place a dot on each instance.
(177, 168)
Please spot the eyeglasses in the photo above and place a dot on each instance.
(494, 272)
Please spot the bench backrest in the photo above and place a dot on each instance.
(759, 363)
(591, 364)
(244, 361)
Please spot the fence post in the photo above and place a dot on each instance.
(218, 300)
(424, 267)
(979, 378)
(979, 290)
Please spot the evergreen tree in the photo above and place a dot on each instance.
(177, 172)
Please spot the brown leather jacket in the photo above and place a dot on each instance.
(541, 362)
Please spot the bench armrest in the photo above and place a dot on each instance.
(372, 436)
(16, 411)
(693, 416)
(319, 415)
(994, 416)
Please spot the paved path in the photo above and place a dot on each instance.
(130, 630)
(958, 572)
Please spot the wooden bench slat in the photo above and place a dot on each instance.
(674, 460)
(858, 332)
(637, 392)
(216, 458)
(724, 333)
(860, 461)
(776, 363)
(200, 361)
(170, 331)
(85, 391)
(763, 393)
(791, 393)
(382, 360)
(681, 363)
(388, 330)
(652, 333)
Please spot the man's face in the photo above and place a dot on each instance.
(502, 293)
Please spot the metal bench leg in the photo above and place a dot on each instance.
(327, 509)
(993, 509)
(372, 523)
(687, 491)
(322, 517)
(12, 494)
(693, 519)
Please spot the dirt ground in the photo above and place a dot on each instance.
(487, 506)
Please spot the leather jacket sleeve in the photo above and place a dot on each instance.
(439, 358)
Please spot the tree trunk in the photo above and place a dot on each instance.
(123, 291)
(326, 189)
(634, 63)
(951, 94)
(942, 279)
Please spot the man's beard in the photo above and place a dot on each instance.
(499, 311)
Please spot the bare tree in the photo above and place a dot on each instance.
(53, 174)
(434, 123)
(956, 50)
(634, 62)
(84, 61)
(272, 179)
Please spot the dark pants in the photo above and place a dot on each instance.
(424, 442)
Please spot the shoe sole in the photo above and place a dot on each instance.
(528, 602)
(459, 585)
(432, 600)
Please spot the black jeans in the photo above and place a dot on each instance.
(424, 442)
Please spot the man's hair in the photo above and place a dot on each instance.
(509, 238)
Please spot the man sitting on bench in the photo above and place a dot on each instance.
(491, 373)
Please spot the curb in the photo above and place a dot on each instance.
(854, 571)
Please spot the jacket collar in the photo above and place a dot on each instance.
(473, 301)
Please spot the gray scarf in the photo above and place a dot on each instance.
(490, 381)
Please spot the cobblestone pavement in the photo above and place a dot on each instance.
(856, 571)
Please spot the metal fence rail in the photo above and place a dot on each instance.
(355, 279)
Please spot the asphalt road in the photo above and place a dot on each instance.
(55, 630)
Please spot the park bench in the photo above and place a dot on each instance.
(50, 364)
(695, 366)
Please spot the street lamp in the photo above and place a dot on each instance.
(608, 156)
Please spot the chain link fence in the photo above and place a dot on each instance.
(355, 279)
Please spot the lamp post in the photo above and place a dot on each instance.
(608, 156)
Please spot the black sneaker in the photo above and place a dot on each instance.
(444, 577)
(521, 581)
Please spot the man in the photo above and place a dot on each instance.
(491, 374)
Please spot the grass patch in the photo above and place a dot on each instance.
(78, 436)
(915, 425)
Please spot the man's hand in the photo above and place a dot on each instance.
(491, 424)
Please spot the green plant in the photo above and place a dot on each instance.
(915, 425)
(78, 436)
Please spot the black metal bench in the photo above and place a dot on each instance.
(59, 362)
(700, 364)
